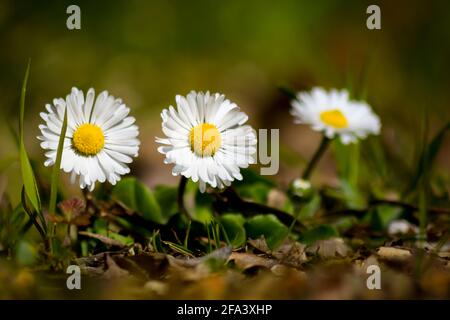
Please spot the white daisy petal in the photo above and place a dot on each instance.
(90, 96)
(206, 139)
(101, 138)
(334, 114)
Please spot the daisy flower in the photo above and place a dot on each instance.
(335, 114)
(100, 141)
(206, 139)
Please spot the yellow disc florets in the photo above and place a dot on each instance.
(334, 118)
(88, 139)
(205, 139)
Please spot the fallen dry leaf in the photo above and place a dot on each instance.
(260, 244)
(281, 270)
(247, 261)
(185, 271)
(291, 253)
(330, 248)
(113, 270)
(392, 253)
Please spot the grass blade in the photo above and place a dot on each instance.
(288, 92)
(32, 214)
(428, 156)
(56, 167)
(29, 180)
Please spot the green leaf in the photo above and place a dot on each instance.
(167, 200)
(233, 225)
(268, 226)
(57, 166)
(124, 223)
(203, 207)
(321, 232)
(29, 180)
(250, 177)
(311, 207)
(134, 195)
(253, 186)
(383, 215)
(100, 226)
(347, 158)
(353, 197)
(257, 191)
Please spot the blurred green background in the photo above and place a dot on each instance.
(146, 52)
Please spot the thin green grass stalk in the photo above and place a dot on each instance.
(428, 260)
(180, 197)
(56, 167)
(355, 161)
(209, 237)
(422, 214)
(227, 239)
(22, 100)
(84, 248)
(423, 202)
(424, 182)
(288, 92)
(155, 246)
(216, 235)
(178, 248)
(291, 227)
(421, 238)
(186, 238)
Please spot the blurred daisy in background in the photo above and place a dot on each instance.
(206, 139)
(101, 138)
(301, 188)
(334, 114)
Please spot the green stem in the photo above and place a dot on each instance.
(316, 157)
(180, 197)
(55, 180)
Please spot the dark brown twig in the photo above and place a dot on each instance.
(230, 200)
(407, 205)
(396, 203)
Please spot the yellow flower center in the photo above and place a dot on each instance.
(88, 139)
(334, 118)
(205, 139)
